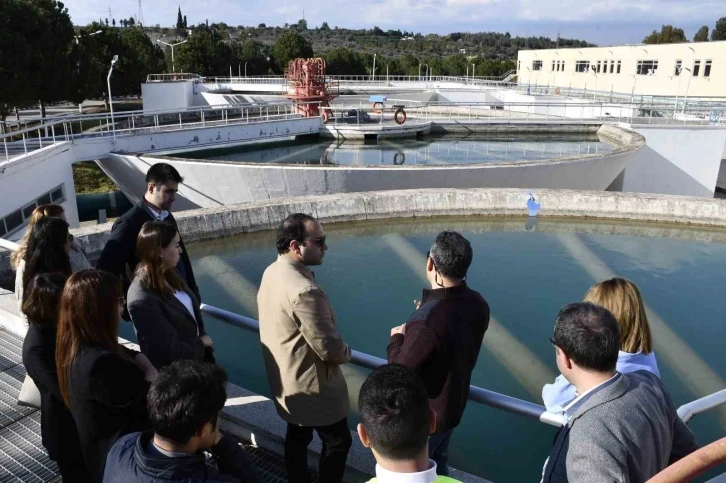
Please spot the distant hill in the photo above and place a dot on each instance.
(391, 43)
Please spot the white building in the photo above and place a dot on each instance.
(696, 70)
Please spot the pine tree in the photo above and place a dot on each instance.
(179, 20)
(185, 22)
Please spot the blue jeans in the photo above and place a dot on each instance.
(439, 451)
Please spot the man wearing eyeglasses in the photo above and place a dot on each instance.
(303, 352)
(442, 338)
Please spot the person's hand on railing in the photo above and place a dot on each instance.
(207, 341)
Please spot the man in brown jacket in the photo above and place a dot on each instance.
(303, 352)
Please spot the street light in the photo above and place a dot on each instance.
(245, 69)
(473, 71)
(110, 98)
(374, 67)
(89, 35)
(688, 85)
(173, 69)
(78, 64)
(594, 72)
(427, 72)
(419, 71)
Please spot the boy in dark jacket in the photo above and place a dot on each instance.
(184, 404)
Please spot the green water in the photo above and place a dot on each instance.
(527, 271)
(428, 150)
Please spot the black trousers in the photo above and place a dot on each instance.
(74, 470)
(336, 444)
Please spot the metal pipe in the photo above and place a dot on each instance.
(476, 394)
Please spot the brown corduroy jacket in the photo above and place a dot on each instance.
(301, 346)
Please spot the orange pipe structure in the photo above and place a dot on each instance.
(696, 463)
(306, 87)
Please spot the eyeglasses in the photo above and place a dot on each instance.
(320, 242)
(70, 238)
(552, 340)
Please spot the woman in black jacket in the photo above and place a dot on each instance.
(103, 384)
(60, 437)
(164, 311)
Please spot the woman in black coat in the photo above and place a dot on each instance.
(58, 430)
(164, 310)
(102, 383)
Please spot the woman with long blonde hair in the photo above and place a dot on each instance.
(621, 297)
(77, 259)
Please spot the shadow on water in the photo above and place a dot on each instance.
(527, 271)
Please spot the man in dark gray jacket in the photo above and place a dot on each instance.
(620, 427)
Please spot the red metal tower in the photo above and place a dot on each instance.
(306, 87)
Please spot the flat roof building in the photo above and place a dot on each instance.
(695, 70)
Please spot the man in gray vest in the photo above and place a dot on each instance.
(620, 427)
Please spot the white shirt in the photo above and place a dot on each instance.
(186, 300)
(385, 476)
(158, 216)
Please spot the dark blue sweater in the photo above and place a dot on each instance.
(134, 459)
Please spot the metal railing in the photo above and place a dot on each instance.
(69, 128)
(173, 77)
(49, 131)
(477, 394)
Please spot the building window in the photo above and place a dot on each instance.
(696, 68)
(597, 69)
(563, 66)
(553, 66)
(519, 65)
(582, 66)
(537, 65)
(647, 67)
(19, 218)
(679, 68)
(707, 69)
(619, 62)
(612, 66)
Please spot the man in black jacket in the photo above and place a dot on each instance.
(119, 256)
(184, 403)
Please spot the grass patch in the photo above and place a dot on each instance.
(89, 178)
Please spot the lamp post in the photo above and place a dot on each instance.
(419, 72)
(110, 98)
(386, 73)
(374, 67)
(473, 72)
(173, 69)
(594, 72)
(688, 85)
(245, 69)
(78, 64)
(427, 72)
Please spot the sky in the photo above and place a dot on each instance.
(603, 22)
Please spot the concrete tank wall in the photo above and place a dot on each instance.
(676, 160)
(167, 96)
(214, 183)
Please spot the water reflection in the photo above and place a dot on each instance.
(429, 150)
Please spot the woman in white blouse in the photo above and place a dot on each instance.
(164, 311)
(622, 298)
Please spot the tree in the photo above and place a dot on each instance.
(719, 32)
(701, 35)
(19, 23)
(667, 35)
(179, 20)
(342, 61)
(184, 22)
(325, 26)
(138, 58)
(131, 22)
(205, 53)
(106, 22)
(262, 26)
(113, 22)
(290, 45)
(249, 53)
(302, 25)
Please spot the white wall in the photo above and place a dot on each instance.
(677, 161)
(23, 181)
(165, 96)
(662, 83)
(209, 184)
